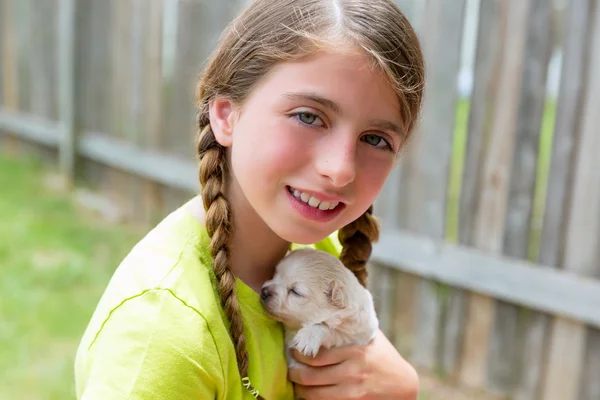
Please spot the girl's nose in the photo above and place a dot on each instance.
(336, 161)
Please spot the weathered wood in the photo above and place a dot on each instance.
(122, 186)
(30, 127)
(581, 255)
(405, 312)
(506, 343)
(21, 25)
(8, 61)
(590, 384)
(487, 58)
(66, 56)
(426, 171)
(152, 90)
(575, 45)
(94, 80)
(493, 176)
(2, 7)
(43, 53)
(414, 12)
(516, 281)
(373, 271)
(167, 169)
(569, 111)
(137, 18)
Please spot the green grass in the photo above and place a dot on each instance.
(55, 261)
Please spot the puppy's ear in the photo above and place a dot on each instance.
(336, 295)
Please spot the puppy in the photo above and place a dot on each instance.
(320, 303)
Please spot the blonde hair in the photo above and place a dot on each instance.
(268, 32)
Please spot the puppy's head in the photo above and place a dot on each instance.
(309, 287)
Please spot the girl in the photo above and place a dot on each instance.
(302, 111)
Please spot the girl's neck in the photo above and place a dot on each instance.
(255, 248)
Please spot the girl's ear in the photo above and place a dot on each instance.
(222, 115)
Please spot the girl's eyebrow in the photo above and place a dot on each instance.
(378, 123)
(316, 98)
(387, 126)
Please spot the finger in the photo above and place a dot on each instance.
(328, 356)
(328, 375)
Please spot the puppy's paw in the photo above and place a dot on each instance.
(308, 340)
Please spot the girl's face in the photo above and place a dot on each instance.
(313, 144)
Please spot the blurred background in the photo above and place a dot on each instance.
(487, 274)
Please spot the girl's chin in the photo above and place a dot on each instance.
(301, 236)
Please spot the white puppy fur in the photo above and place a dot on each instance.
(320, 303)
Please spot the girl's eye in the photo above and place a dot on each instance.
(295, 292)
(377, 141)
(308, 118)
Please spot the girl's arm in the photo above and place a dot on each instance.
(152, 346)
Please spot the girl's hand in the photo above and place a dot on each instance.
(374, 371)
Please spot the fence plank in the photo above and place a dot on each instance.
(66, 56)
(152, 93)
(21, 14)
(197, 25)
(9, 63)
(487, 59)
(137, 201)
(507, 344)
(406, 286)
(426, 169)
(491, 201)
(513, 280)
(93, 81)
(3, 6)
(590, 384)
(42, 52)
(124, 79)
(575, 44)
(567, 343)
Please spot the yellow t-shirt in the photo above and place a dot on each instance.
(159, 331)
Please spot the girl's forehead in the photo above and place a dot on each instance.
(340, 81)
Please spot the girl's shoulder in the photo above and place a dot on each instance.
(161, 304)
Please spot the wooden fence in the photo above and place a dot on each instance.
(488, 268)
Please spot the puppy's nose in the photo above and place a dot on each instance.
(265, 293)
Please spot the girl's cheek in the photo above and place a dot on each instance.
(373, 174)
(289, 146)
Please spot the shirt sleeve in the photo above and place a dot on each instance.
(153, 346)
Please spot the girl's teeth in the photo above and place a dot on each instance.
(314, 202)
(324, 206)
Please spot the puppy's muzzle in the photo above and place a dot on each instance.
(265, 293)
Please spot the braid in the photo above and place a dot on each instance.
(213, 172)
(357, 238)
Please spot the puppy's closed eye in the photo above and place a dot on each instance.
(293, 290)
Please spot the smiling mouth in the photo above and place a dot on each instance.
(313, 201)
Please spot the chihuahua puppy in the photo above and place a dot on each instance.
(320, 303)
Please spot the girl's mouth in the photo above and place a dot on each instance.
(313, 208)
